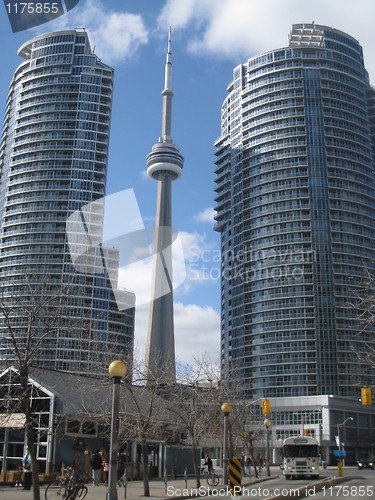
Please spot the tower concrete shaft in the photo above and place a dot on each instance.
(164, 164)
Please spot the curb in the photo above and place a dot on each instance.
(302, 491)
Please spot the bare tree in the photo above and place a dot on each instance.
(143, 413)
(245, 422)
(151, 409)
(31, 315)
(252, 441)
(245, 432)
(363, 340)
(196, 403)
(148, 416)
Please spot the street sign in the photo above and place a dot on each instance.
(337, 453)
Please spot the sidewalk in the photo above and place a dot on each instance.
(134, 490)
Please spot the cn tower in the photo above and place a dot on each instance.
(164, 164)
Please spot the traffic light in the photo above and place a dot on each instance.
(266, 407)
(305, 432)
(366, 395)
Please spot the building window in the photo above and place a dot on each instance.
(85, 428)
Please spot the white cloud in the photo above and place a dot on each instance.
(197, 331)
(195, 262)
(144, 176)
(202, 261)
(137, 273)
(137, 277)
(116, 35)
(197, 327)
(193, 244)
(207, 215)
(243, 28)
(179, 13)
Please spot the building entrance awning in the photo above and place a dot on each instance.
(12, 421)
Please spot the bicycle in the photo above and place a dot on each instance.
(211, 478)
(79, 489)
(123, 480)
(58, 489)
(71, 487)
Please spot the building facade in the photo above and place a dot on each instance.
(72, 420)
(295, 203)
(319, 417)
(53, 160)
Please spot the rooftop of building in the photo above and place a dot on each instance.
(25, 49)
(80, 395)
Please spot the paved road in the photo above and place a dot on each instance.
(361, 484)
(260, 489)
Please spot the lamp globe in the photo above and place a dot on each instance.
(117, 369)
(226, 407)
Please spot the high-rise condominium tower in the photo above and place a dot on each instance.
(164, 164)
(295, 202)
(53, 161)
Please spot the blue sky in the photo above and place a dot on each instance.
(209, 38)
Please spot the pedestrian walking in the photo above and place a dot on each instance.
(261, 463)
(96, 466)
(248, 465)
(208, 464)
(120, 466)
(106, 470)
(26, 468)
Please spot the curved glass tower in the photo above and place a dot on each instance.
(295, 202)
(53, 160)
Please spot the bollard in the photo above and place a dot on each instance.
(186, 477)
(165, 481)
(125, 483)
(235, 476)
(340, 471)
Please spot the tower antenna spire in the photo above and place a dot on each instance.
(167, 95)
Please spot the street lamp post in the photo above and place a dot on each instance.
(339, 465)
(117, 370)
(226, 408)
(303, 418)
(267, 423)
(307, 416)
